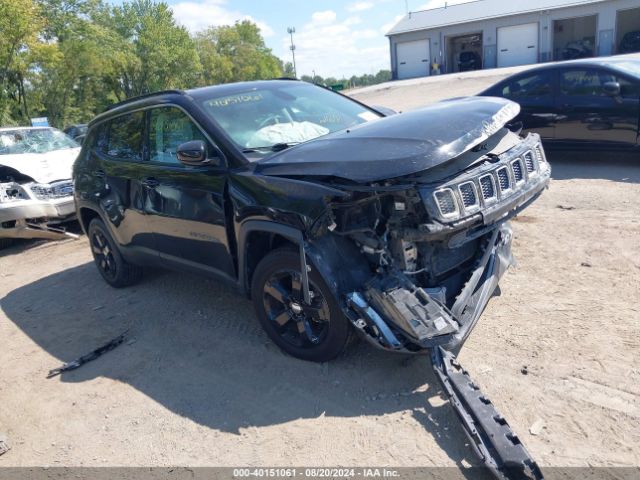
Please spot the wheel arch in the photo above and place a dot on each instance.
(259, 237)
(338, 260)
(85, 215)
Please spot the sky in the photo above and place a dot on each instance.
(333, 37)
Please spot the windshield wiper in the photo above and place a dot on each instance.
(277, 147)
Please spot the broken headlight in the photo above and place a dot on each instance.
(11, 192)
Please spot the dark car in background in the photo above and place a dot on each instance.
(589, 104)
(469, 61)
(630, 42)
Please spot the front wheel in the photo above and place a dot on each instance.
(316, 332)
(116, 271)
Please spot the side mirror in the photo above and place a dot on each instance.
(611, 88)
(194, 154)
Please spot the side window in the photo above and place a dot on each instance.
(536, 86)
(125, 137)
(584, 83)
(101, 143)
(168, 128)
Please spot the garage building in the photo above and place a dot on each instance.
(499, 33)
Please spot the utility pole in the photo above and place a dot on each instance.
(291, 31)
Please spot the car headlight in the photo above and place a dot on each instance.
(12, 192)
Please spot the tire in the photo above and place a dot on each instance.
(114, 269)
(317, 333)
(5, 242)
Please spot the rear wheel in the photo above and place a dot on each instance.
(317, 332)
(114, 269)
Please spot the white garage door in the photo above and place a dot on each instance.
(413, 59)
(518, 45)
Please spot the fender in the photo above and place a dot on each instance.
(290, 233)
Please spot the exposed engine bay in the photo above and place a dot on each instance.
(437, 244)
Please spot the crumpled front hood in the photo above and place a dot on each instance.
(43, 167)
(398, 145)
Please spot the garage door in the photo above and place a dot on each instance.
(518, 45)
(413, 59)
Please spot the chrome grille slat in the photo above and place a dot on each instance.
(528, 160)
(53, 191)
(503, 179)
(488, 187)
(469, 196)
(518, 173)
(446, 202)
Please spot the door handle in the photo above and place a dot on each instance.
(150, 182)
(99, 173)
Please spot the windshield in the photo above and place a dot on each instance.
(263, 120)
(41, 140)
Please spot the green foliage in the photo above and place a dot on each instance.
(69, 59)
(237, 52)
(20, 24)
(353, 82)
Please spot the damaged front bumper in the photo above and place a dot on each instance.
(36, 218)
(408, 319)
(493, 440)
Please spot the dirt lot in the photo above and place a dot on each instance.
(198, 383)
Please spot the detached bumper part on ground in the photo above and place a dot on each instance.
(496, 444)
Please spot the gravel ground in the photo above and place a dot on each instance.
(197, 382)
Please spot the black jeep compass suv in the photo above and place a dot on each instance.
(333, 217)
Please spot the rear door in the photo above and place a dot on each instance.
(118, 163)
(185, 205)
(590, 117)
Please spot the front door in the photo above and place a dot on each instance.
(592, 118)
(185, 205)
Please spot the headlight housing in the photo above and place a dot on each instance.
(12, 192)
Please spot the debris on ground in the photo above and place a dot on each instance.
(585, 264)
(565, 207)
(4, 444)
(536, 427)
(524, 370)
(88, 357)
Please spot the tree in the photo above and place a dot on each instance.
(156, 53)
(20, 23)
(288, 70)
(234, 53)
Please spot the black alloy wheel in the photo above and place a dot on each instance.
(317, 331)
(298, 324)
(115, 270)
(103, 255)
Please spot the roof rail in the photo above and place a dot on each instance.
(287, 78)
(141, 97)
